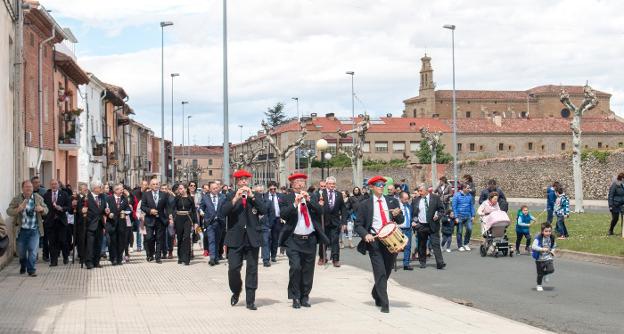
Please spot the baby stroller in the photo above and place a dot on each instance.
(495, 239)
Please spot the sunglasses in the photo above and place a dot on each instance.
(379, 184)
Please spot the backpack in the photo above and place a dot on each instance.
(539, 238)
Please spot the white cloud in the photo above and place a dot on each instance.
(281, 49)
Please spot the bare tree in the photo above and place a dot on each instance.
(284, 152)
(433, 140)
(589, 102)
(355, 153)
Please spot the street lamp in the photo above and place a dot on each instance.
(183, 103)
(163, 24)
(241, 132)
(452, 28)
(353, 137)
(226, 130)
(297, 100)
(173, 75)
(321, 146)
(188, 133)
(327, 157)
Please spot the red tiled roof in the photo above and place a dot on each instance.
(116, 94)
(556, 89)
(198, 150)
(381, 125)
(71, 68)
(537, 125)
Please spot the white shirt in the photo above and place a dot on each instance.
(406, 219)
(301, 228)
(422, 210)
(377, 222)
(273, 198)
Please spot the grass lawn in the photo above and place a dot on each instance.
(588, 233)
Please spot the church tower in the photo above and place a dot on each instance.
(426, 75)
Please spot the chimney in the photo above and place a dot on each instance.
(389, 115)
(330, 116)
(498, 120)
(313, 115)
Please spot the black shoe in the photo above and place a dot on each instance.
(267, 264)
(46, 259)
(179, 261)
(377, 302)
(234, 299)
(98, 266)
(53, 264)
(187, 264)
(119, 263)
(252, 306)
(610, 232)
(33, 274)
(423, 265)
(216, 262)
(385, 309)
(65, 260)
(89, 266)
(441, 266)
(296, 303)
(212, 263)
(273, 259)
(150, 258)
(22, 271)
(305, 303)
(159, 261)
(407, 268)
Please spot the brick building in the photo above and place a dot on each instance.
(199, 163)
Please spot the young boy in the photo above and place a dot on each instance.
(447, 230)
(543, 252)
(522, 228)
(562, 211)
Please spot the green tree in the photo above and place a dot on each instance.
(424, 154)
(275, 116)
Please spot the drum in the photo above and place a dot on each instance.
(392, 237)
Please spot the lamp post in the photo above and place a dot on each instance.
(183, 103)
(173, 75)
(321, 146)
(297, 100)
(327, 157)
(353, 137)
(241, 132)
(163, 24)
(226, 132)
(188, 151)
(452, 28)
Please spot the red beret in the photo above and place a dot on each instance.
(295, 176)
(241, 173)
(374, 179)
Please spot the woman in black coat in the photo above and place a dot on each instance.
(616, 200)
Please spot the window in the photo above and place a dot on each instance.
(563, 146)
(459, 147)
(366, 147)
(467, 114)
(510, 148)
(599, 144)
(194, 163)
(414, 146)
(472, 147)
(620, 144)
(480, 148)
(501, 146)
(435, 116)
(381, 146)
(210, 172)
(179, 162)
(209, 162)
(543, 147)
(331, 148)
(530, 146)
(523, 114)
(398, 146)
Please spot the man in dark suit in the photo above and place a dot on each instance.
(406, 227)
(243, 238)
(374, 213)
(275, 200)
(334, 218)
(211, 207)
(93, 204)
(428, 210)
(301, 234)
(55, 223)
(117, 208)
(155, 205)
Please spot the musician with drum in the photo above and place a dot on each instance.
(375, 214)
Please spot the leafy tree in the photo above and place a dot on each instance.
(424, 154)
(275, 116)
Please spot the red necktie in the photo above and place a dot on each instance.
(384, 220)
(244, 202)
(304, 212)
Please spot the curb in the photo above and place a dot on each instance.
(580, 256)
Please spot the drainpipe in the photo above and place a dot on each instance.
(40, 78)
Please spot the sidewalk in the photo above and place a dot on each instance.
(143, 297)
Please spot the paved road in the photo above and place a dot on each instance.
(584, 297)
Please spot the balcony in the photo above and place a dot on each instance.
(69, 131)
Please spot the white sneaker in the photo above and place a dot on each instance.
(448, 250)
(539, 288)
(461, 249)
(466, 247)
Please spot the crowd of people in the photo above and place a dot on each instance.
(101, 221)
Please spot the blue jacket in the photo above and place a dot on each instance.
(463, 205)
(212, 214)
(551, 197)
(523, 222)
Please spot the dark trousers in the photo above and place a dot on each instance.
(211, 240)
(561, 228)
(425, 233)
(549, 215)
(57, 241)
(221, 234)
(382, 262)
(275, 234)
(154, 240)
(615, 216)
(544, 268)
(183, 233)
(93, 246)
(118, 240)
(300, 274)
(235, 261)
(80, 240)
(333, 233)
(519, 236)
(43, 241)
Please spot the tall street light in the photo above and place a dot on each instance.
(173, 75)
(241, 133)
(297, 100)
(188, 133)
(353, 137)
(183, 103)
(226, 132)
(452, 28)
(163, 24)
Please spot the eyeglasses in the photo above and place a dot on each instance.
(379, 184)
(272, 189)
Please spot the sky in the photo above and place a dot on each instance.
(279, 49)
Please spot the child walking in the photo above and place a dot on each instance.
(543, 248)
(447, 230)
(562, 211)
(523, 224)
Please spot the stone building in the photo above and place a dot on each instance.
(92, 156)
(140, 152)
(199, 163)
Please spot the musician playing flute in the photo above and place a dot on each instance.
(301, 235)
(372, 214)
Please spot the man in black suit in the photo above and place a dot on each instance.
(374, 213)
(276, 200)
(117, 208)
(211, 209)
(94, 204)
(155, 205)
(334, 214)
(55, 224)
(243, 238)
(301, 234)
(428, 209)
